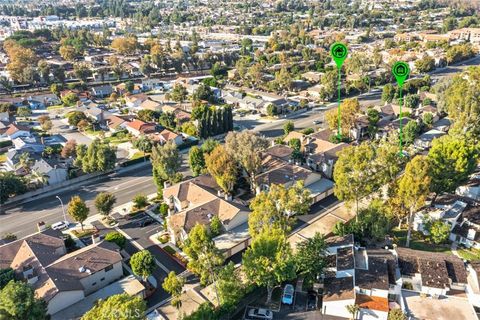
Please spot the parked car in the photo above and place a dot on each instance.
(145, 222)
(317, 121)
(60, 225)
(260, 313)
(287, 297)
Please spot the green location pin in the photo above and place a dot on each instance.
(339, 53)
(400, 70)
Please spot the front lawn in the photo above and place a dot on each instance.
(84, 233)
(469, 254)
(418, 241)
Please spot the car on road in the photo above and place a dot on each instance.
(60, 225)
(317, 121)
(260, 313)
(287, 297)
(144, 222)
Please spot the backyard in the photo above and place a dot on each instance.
(418, 241)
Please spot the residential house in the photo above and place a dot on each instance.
(96, 114)
(424, 141)
(61, 279)
(165, 136)
(431, 273)
(116, 123)
(198, 200)
(41, 101)
(102, 91)
(15, 130)
(135, 100)
(150, 105)
(28, 143)
(358, 276)
(138, 127)
(152, 84)
(277, 171)
(12, 163)
(50, 171)
(448, 213)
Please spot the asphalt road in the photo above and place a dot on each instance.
(22, 219)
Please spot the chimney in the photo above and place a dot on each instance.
(41, 226)
(273, 143)
(471, 234)
(166, 184)
(228, 197)
(31, 279)
(95, 238)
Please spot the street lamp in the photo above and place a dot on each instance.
(63, 209)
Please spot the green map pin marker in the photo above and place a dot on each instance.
(339, 53)
(400, 70)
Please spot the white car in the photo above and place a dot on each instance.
(260, 313)
(60, 225)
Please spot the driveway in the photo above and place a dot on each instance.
(141, 236)
(159, 274)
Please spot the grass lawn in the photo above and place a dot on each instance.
(418, 242)
(3, 157)
(137, 155)
(84, 233)
(115, 140)
(169, 250)
(92, 132)
(60, 106)
(469, 254)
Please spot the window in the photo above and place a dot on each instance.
(102, 279)
(94, 284)
(110, 267)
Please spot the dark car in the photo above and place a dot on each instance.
(312, 300)
(144, 222)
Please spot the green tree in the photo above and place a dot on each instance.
(78, 210)
(353, 309)
(425, 64)
(24, 112)
(82, 71)
(69, 100)
(104, 203)
(410, 132)
(166, 162)
(288, 127)
(268, 261)
(204, 255)
(272, 110)
(453, 160)
(117, 238)
(173, 284)
(396, 314)
(179, 93)
(373, 118)
(119, 306)
(310, 257)
(18, 301)
(277, 207)
(223, 168)
(143, 264)
(230, 287)
(215, 226)
(75, 117)
(140, 201)
(439, 231)
(414, 187)
(388, 93)
(196, 160)
(98, 156)
(6, 275)
(355, 174)
(246, 148)
(10, 185)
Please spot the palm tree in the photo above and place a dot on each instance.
(353, 310)
(25, 161)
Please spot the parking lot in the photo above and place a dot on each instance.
(306, 305)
